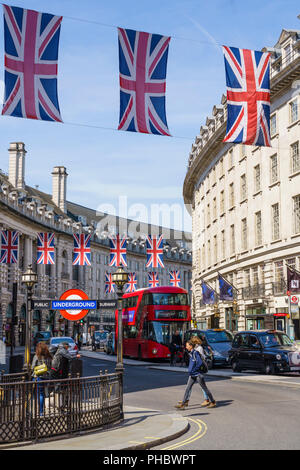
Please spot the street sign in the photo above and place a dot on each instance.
(106, 304)
(294, 299)
(74, 304)
(41, 304)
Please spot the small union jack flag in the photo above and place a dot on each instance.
(9, 247)
(110, 286)
(45, 248)
(118, 251)
(154, 251)
(174, 278)
(132, 283)
(82, 249)
(143, 68)
(248, 96)
(153, 279)
(31, 54)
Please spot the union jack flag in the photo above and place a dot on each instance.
(174, 278)
(110, 286)
(118, 251)
(248, 96)
(153, 279)
(9, 247)
(154, 252)
(45, 248)
(143, 68)
(132, 283)
(82, 249)
(31, 54)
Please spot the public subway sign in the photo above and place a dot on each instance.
(74, 304)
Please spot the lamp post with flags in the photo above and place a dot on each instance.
(29, 278)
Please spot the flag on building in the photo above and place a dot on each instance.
(118, 251)
(143, 68)
(293, 280)
(248, 96)
(45, 248)
(154, 251)
(153, 279)
(132, 283)
(110, 286)
(82, 249)
(9, 247)
(226, 289)
(174, 278)
(31, 53)
(209, 295)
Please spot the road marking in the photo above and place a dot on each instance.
(198, 435)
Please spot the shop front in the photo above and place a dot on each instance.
(231, 320)
(258, 319)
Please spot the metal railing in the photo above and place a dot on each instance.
(33, 410)
(256, 291)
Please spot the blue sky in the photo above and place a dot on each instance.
(105, 164)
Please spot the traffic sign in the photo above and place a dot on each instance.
(74, 304)
(294, 299)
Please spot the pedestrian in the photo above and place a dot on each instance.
(175, 347)
(198, 346)
(40, 367)
(79, 341)
(195, 375)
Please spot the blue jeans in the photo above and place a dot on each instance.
(40, 394)
(191, 381)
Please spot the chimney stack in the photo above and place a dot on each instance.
(59, 187)
(16, 168)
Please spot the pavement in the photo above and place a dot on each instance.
(144, 428)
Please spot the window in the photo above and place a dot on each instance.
(208, 214)
(214, 208)
(255, 276)
(258, 231)
(295, 159)
(215, 249)
(223, 244)
(214, 176)
(222, 202)
(98, 274)
(247, 282)
(231, 195)
(287, 54)
(291, 262)
(279, 276)
(257, 178)
(296, 213)
(244, 234)
(232, 240)
(243, 187)
(294, 111)
(208, 254)
(273, 124)
(275, 222)
(231, 159)
(242, 151)
(221, 167)
(273, 168)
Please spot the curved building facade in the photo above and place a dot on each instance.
(245, 207)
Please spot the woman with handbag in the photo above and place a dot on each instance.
(196, 369)
(40, 367)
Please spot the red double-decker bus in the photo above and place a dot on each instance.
(150, 318)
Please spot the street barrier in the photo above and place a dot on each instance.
(35, 410)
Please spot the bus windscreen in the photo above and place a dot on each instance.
(166, 299)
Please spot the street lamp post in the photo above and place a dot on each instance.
(120, 278)
(30, 279)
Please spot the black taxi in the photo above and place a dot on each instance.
(269, 351)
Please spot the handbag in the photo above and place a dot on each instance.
(203, 367)
(40, 370)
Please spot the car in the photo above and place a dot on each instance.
(55, 341)
(41, 336)
(268, 351)
(216, 342)
(100, 339)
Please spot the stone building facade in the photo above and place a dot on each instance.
(245, 207)
(30, 211)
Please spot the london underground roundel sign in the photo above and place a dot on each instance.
(77, 301)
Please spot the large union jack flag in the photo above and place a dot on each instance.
(153, 279)
(31, 54)
(248, 96)
(143, 68)
(175, 278)
(9, 247)
(82, 249)
(45, 248)
(132, 283)
(154, 251)
(118, 251)
(110, 286)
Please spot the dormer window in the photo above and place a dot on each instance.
(287, 54)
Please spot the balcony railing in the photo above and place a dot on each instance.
(253, 292)
(279, 287)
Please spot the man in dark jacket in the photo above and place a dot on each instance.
(61, 362)
(195, 375)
